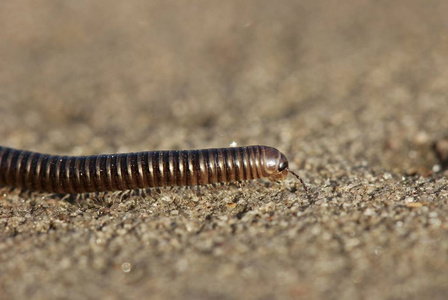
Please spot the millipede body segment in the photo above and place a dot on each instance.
(113, 172)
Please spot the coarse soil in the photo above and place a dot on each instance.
(355, 93)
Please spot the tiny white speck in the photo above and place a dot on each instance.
(436, 168)
(126, 267)
(387, 176)
(233, 144)
(378, 250)
(409, 200)
(369, 212)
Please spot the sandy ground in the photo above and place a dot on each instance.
(355, 93)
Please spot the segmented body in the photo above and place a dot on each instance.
(111, 172)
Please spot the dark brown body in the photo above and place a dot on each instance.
(111, 172)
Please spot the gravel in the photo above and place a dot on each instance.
(354, 93)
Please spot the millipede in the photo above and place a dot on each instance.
(150, 169)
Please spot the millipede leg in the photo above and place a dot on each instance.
(198, 191)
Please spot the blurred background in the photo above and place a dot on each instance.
(361, 79)
(341, 87)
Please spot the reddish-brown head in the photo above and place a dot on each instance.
(277, 167)
(276, 164)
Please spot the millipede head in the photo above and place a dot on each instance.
(283, 168)
(278, 166)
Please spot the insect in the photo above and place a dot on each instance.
(114, 172)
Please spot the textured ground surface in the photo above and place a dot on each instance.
(355, 94)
